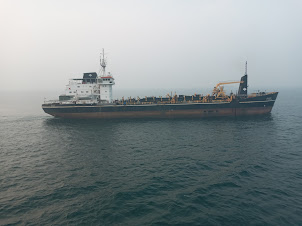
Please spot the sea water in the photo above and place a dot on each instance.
(232, 171)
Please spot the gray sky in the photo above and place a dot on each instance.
(150, 44)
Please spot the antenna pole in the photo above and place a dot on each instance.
(245, 67)
(103, 64)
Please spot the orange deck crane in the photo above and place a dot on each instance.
(218, 91)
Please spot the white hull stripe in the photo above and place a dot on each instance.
(262, 101)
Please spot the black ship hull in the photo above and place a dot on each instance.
(258, 105)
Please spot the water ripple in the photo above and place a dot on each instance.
(151, 172)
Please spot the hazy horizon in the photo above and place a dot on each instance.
(150, 44)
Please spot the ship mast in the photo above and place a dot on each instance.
(242, 91)
(245, 68)
(103, 64)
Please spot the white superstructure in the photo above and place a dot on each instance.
(106, 84)
(92, 88)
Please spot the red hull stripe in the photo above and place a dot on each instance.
(170, 114)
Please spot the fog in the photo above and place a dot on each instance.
(150, 45)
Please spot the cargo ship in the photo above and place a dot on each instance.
(91, 97)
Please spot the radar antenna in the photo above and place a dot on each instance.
(103, 63)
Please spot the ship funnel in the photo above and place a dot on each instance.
(243, 84)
